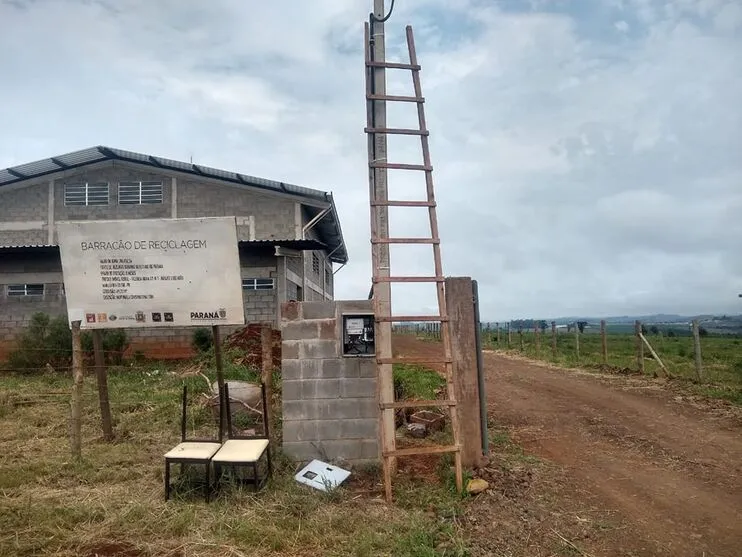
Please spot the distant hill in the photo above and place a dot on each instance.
(715, 324)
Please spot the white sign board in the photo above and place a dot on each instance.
(152, 272)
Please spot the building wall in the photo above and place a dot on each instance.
(330, 410)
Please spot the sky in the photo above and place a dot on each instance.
(587, 155)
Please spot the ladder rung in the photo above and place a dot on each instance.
(405, 241)
(416, 404)
(423, 450)
(397, 131)
(398, 98)
(411, 318)
(393, 65)
(400, 203)
(409, 279)
(400, 166)
(420, 361)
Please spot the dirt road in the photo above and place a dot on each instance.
(670, 469)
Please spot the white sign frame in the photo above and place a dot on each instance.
(150, 273)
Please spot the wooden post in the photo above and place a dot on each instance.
(266, 345)
(639, 346)
(102, 376)
(77, 377)
(498, 333)
(537, 338)
(654, 354)
(577, 341)
(603, 342)
(459, 293)
(553, 339)
(697, 350)
(510, 335)
(520, 336)
(219, 372)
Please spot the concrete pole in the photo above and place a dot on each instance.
(380, 252)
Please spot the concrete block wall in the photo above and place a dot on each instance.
(330, 410)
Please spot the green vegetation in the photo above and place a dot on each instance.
(48, 341)
(722, 355)
(112, 502)
(416, 382)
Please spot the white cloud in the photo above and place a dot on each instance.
(577, 171)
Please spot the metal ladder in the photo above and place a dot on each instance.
(376, 99)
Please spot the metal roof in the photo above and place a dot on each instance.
(329, 229)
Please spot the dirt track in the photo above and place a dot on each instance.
(664, 466)
(671, 470)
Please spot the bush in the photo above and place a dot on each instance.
(202, 340)
(115, 342)
(44, 341)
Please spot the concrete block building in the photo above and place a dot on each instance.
(289, 236)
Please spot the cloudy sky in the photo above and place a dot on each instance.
(587, 154)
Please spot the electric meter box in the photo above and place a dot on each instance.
(358, 334)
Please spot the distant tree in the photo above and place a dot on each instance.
(581, 326)
(542, 324)
(670, 333)
(703, 332)
(644, 329)
(654, 330)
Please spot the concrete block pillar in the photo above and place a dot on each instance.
(460, 304)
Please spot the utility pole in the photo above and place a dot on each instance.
(380, 228)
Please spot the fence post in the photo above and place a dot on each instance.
(77, 377)
(697, 350)
(537, 338)
(553, 339)
(498, 333)
(510, 335)
(102, 376)
(639, 346)
(603, 342)
(520, 336)
(577, 341)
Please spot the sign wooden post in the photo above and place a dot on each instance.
(266, 345)
(101, 374)
(77, 378)
(220, 373)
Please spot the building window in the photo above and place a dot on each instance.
(140, 193)
(258, 284)
(19, 290)
(315, 264)
(86, 194)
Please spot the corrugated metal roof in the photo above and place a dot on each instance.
(329, 229)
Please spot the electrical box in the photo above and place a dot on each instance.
(358, 335)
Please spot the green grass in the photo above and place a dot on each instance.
(722, 356)
(114, 497)
(416, 382)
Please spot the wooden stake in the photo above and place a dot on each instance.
(537, 338)
(266, 344)
(654, 354)
(510, 336)
(697, 350)
(219, 372)
(577, 341)
(498, 334)
(553, 339)
(101, 374)
(77, 378)
(639, 346)
(520, 336)
(603, 342)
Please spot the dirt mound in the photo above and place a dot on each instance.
(247, 340)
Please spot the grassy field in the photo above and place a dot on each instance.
(722, 356)
(112, 502)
